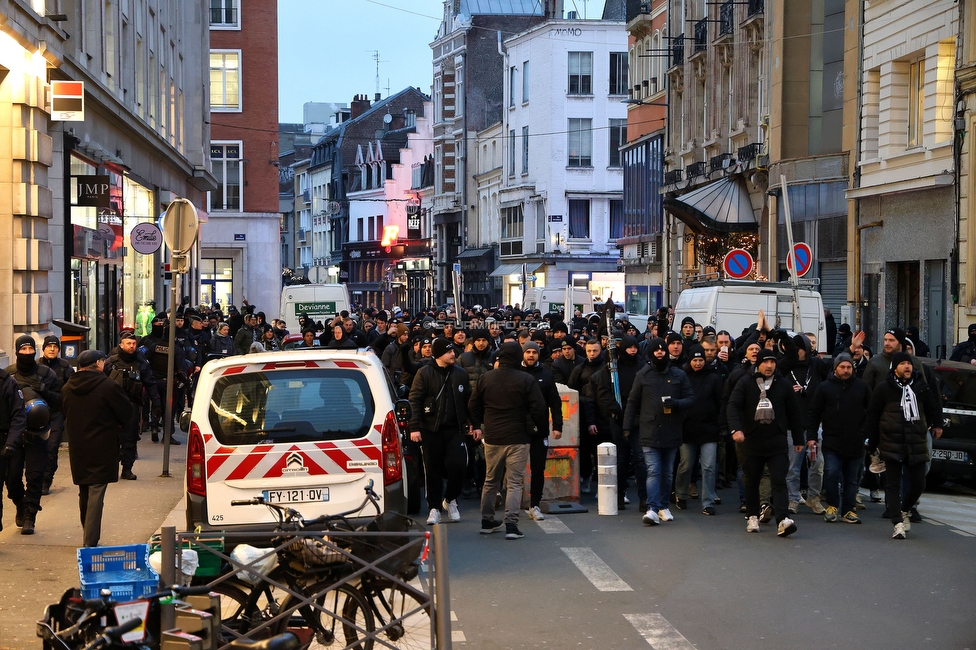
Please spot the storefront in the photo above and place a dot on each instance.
(109, 280)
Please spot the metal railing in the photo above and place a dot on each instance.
(696, 169)
(719, 162)
(672, 177)
(726, 16)
(701, 35)
(678, 50)
(749, 152)
(755, 8)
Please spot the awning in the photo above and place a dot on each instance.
(722, 206)
(506, 269)
(474, 252)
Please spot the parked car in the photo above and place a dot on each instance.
(954, 454)
(306, 428)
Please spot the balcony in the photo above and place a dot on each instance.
(672, 177)
(719, 162)
(678, 50)
(756, 8)
(302, 235)
(701, 35)
(695, 170)
(749, 152)
(726, 15)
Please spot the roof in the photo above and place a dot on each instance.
(615, 10)
(501, 8)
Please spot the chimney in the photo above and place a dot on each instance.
(360, 104)
(376, 97)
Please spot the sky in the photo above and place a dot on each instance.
(326, 48)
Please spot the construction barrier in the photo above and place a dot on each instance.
(561, 491)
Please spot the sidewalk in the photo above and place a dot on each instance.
(35, 570)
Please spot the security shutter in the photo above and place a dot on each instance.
(833, 286)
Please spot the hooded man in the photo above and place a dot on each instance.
(51, 357)
(658, 404)
(539, 442)
(509, 402)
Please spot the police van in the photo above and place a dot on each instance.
(304, 428)
(320, 302)
(550, 300)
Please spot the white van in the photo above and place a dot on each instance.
(734, 305)
(549, 300)
(321, 302)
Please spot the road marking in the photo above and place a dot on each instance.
(553, 526)
(962, 532)
(457, 636)
(453, 616)
(658, 633)
(595, 569)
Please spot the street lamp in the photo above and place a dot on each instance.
(641, 102)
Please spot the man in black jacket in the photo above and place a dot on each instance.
(439, 414)
(700, 433)
(762, 409)
(567, 362)
(509, 402)
(25, 471)
(589, 431)
(130, 370)
(539, 442)
(51, 357)
(840, 405)
(13, 423)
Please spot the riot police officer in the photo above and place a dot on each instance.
(129, 369)
(51, 357)
(155, 347)
(41, 390)
(13, 422)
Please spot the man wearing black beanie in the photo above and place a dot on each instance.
(51, 357)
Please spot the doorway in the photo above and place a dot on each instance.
(907, 294)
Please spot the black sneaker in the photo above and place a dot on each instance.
(765, 513)
(488, 526)
(681, 504)
(46, 489)
(127, 475)
(914, 517)
(708, 510)
(512, 532)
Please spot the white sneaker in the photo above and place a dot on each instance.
(651, 518)
(786, 528)
(434, 517)
(535, 514)
(452, 510)
(752, 526)
(665, 515)
(900, 532)
(626, 500)
(876, 496)
(906, 520)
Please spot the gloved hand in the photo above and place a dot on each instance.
(668, 401)
(7, 451)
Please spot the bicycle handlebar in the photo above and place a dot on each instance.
(112, 635)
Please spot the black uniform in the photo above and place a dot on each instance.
(155, 348)
(133, 373)
(13, 422)
(63, 370)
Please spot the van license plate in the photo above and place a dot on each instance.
(300, 495)
(948, 454)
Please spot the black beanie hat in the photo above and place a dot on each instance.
(655, 344)
(686, 320)
(697, 352)
(440, 347)
(764, 355)
(972, 329)
(899, 357)
(23, 341)
(480, 334)
(672, 337)
(628, 342)
(898, 333)
(50, 339)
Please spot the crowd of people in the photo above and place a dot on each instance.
(691, 410)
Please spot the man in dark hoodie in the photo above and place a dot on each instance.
(629, 453)
(509, 402)
(51, 357)
(539, 440)
(658, 404)
(700, 432)
(30, 462)
(97, 411)
(589, 430)
(130, 370)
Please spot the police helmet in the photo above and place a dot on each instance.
(38, 417)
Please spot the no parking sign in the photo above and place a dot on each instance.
(804, 258)
(738, 263)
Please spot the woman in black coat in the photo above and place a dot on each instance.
(96, 410)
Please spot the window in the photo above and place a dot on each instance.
(512, 225)
(359, 230)
(581, 73)
(580, 145)
(511, 152)
(579, 219)
(370, 232)
(618, 73)
(525, 81)
(525, 150)
(225, 81)
(616, 219)
(223, 14)
(916, 102)
(511, 86)
(229, 172)
(618, 138)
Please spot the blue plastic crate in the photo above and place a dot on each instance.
(124, 570)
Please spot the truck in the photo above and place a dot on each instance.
(549, 299)
(320, 302)
(734, 305)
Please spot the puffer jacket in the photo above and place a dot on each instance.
(765, 439)
(896, 438)
(645, 410)
(476, 364)
(701, 426)
(841, 406)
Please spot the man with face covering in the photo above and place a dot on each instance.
(700, 433)
(29, 461)
(51, 357)
(965, 352)
(129, 369)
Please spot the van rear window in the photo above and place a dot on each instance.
(291, 406)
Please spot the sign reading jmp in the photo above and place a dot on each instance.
(316, 308)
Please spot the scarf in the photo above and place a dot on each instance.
(764, 409)
(909, 404)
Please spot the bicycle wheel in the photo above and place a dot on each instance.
(402, 619)
(340, 618)
(238, 615)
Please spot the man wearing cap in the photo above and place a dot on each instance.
(539, 439)
(687, 331)
(30, 460)
(568, 360)
(97, 411)
(839, 406)
(51, 357)
(677, 349)
(130, 370)
(762, 410)
(439, 422)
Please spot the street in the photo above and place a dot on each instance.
(590, 581)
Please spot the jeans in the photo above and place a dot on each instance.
(840, 471)
(510, 461)
(815, 473)
(660, 472)
(752, 471)
(691, 454)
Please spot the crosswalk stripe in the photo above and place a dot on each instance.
(596, 570)
(658, 633)
(958, 509)
(457, 636)
(963, 533)
(552, 525)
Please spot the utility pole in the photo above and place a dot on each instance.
(376, 58)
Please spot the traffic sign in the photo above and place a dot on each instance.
(738, 263)
(804, 258)
(180, 226)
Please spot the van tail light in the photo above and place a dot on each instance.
(196, 464)
(392, 454)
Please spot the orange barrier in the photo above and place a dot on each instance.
(561, 492)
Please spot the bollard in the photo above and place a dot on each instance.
(168, 574)
(442, 592)
(606, 471)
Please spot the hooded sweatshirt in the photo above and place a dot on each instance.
(509, 401)
(96, 409)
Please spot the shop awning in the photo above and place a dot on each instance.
(474, 252)
(722, 206)
(506, 269)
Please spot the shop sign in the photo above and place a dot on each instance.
(146, 238)
(316, 308)
(94, 191)
(67, 100)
